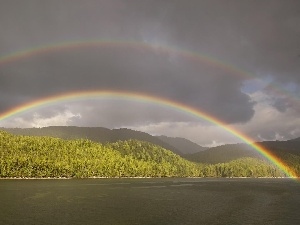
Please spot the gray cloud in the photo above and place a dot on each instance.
(140, 70)
(258, 37)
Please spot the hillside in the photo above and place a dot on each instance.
(223, 153)
(229, 152)
(185, 146)
(97, 134)
(287, 151)
(282, 147)
(296, 139)
(28, 156)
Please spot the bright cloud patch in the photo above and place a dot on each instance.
(37, 120)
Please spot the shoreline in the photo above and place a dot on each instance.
(81, 178)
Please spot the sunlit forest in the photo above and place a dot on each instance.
(48, 157)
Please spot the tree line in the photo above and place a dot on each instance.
(28, 156)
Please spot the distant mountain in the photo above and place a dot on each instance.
(286, 150)
(283, 147)
(97, 134)
(223, 153)
(296, 139)
(185, 146)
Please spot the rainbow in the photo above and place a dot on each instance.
(161, 49)
(64, 46)
(83, 95)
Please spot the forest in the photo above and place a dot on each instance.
(48, 157)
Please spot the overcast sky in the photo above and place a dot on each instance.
(258, 40)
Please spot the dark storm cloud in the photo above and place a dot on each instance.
(194, 84)
(257, 36)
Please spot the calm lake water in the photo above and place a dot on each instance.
(150, 201)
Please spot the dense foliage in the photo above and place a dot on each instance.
(245, 167)
(96, 134)
(287, 151)
(25, 156)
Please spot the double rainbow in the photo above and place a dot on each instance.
(194, 57)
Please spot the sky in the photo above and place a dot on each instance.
(238, 61)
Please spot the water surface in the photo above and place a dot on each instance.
(150, 201)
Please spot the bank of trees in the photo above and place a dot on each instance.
(245, 167)
(24, 156)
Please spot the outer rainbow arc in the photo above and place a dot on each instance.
(193, 56)
(152, 99)
(109, 43)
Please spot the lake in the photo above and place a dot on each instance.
(150, 201)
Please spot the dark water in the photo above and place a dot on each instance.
(150, 201)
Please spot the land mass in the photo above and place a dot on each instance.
(45, 156)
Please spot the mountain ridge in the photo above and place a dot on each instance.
(97, 134)
(288, 151)
(182, 143)
(48, 157)
(178, 145)
(285, 150)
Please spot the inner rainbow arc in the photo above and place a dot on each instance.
(150, 99)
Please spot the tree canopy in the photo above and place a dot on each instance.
(28, 156)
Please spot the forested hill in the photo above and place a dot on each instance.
(97, 134)
(287, 151)
(28, 156)
(223, 153)
(229, 152)
(220, 154)
(100, 134)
